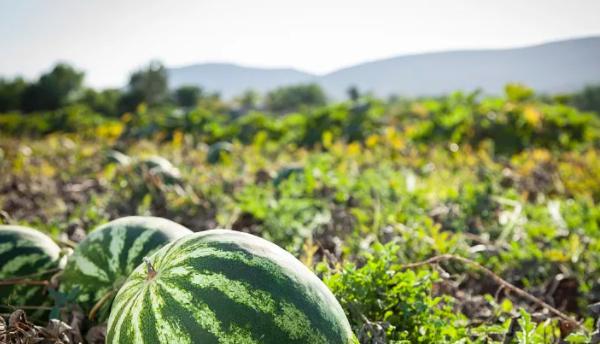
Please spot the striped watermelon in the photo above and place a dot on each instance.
(161, 168)
(221, 286)
(103, 260)
(217, 151)
(26, 253)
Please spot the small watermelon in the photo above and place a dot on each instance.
(118, 158)
(161, 168)
(217, 151)
(26, 253)
(222, 286)
(286, 173)
(103, 260)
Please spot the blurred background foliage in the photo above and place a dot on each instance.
(355, 188)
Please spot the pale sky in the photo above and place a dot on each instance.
(110, 38)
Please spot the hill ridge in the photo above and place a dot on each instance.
(559, 66)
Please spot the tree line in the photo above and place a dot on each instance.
(64, 85)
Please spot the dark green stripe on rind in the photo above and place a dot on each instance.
(148, 327)
(19, 254)
(129, 240)
(185, 319)
(251, 289)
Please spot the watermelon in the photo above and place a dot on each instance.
(286, 173)
(222, 286)
(103, 260)
(26, 253)
(217, 151)
(161, 168)
(118, 158)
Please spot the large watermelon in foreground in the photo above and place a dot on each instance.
(26, 253)
(221, 286)
(101, 263)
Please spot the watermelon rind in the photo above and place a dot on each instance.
(222, 286)
(26, 253)
(101, 263)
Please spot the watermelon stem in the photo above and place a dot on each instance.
(151, 271)
(108, 296)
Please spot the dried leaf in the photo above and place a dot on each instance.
(19, 330)
(57, 332)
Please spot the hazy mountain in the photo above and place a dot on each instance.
(231, 80)
(553, 67)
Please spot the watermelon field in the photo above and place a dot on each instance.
(458, 219)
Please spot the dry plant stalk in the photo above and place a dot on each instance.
(499, 280)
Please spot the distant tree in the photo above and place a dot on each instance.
(212, 102)
(104, 102)
(147, 85)
(249, 99)
(588, 99)
(353, 93)
(53, 90)
(128, 101)
(187, 96)
(11, 93)
(291, 98)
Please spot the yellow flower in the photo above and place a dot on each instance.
(532, 116)
(398, 143)
(177, 139)
(327, 139)
(353, 148)
(372, 140)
